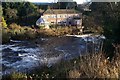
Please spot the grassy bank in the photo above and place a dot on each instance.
(17, 32)
(92, 66)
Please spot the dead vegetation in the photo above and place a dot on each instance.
(96, 66)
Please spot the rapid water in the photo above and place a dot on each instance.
(23, 56)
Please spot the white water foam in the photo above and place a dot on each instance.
(89, 37)
(16, 41)
(29, 58)
(51, 60)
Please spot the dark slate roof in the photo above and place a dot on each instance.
(60, 11)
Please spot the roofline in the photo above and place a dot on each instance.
(61, 13)
(67, 11)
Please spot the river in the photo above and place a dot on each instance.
(23, 56)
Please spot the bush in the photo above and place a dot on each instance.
(5, 36)
(3, 23)
(30, 34)
(18, 76)
(41, 27)
(14, 26)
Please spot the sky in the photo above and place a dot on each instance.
(78, 1)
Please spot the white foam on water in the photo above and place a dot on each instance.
(0, 47)
(21, 65)
(82, 46)
(6, 46)
(100, 36)
(51, 60)
(0, 74)
(29, 50)
(29, 58)
(57, 48)
(85, 35)
(27, 62)
(16, 41)
(89, 37)
(15, 48)
(21, 55)
(44, 39)
(20, 48)
(5, 62)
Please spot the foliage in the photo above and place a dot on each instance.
(26, 8)
(72, 5)
(108, 14)
(11, 13)
(105, 16)
(67, 5)
(18, 76)
(91, 24)
(5, 36)
(17, 11)
(14, 26)
(1, 11)
(53, 26)
(3, 23)
(41, 27)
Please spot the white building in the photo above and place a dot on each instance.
(61, 17)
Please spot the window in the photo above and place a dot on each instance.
(52, 22)
(65, 16)
(53, 16)
(48, 16)
(42, 23)
(58, 16)
(64, 22)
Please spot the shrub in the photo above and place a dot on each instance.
(3, 23)
(41, 27)
(5, 36)
(30, 34)
(11, 13)
(18, 76)
(14, 26)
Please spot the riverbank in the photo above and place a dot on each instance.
(17, 32)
